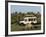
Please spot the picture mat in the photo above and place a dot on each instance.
(23, 32)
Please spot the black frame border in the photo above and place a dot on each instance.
(6, 18)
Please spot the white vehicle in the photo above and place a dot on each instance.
(29, 20)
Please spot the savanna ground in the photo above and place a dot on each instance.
(16, 26)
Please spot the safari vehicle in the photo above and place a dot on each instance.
(29, 20)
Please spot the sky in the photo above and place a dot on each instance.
(20, 8)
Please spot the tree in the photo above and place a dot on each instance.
(15, 13)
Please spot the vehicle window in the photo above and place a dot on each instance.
(30, 19)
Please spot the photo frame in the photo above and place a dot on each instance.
(25, 9)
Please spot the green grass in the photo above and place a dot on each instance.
(16, 27)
